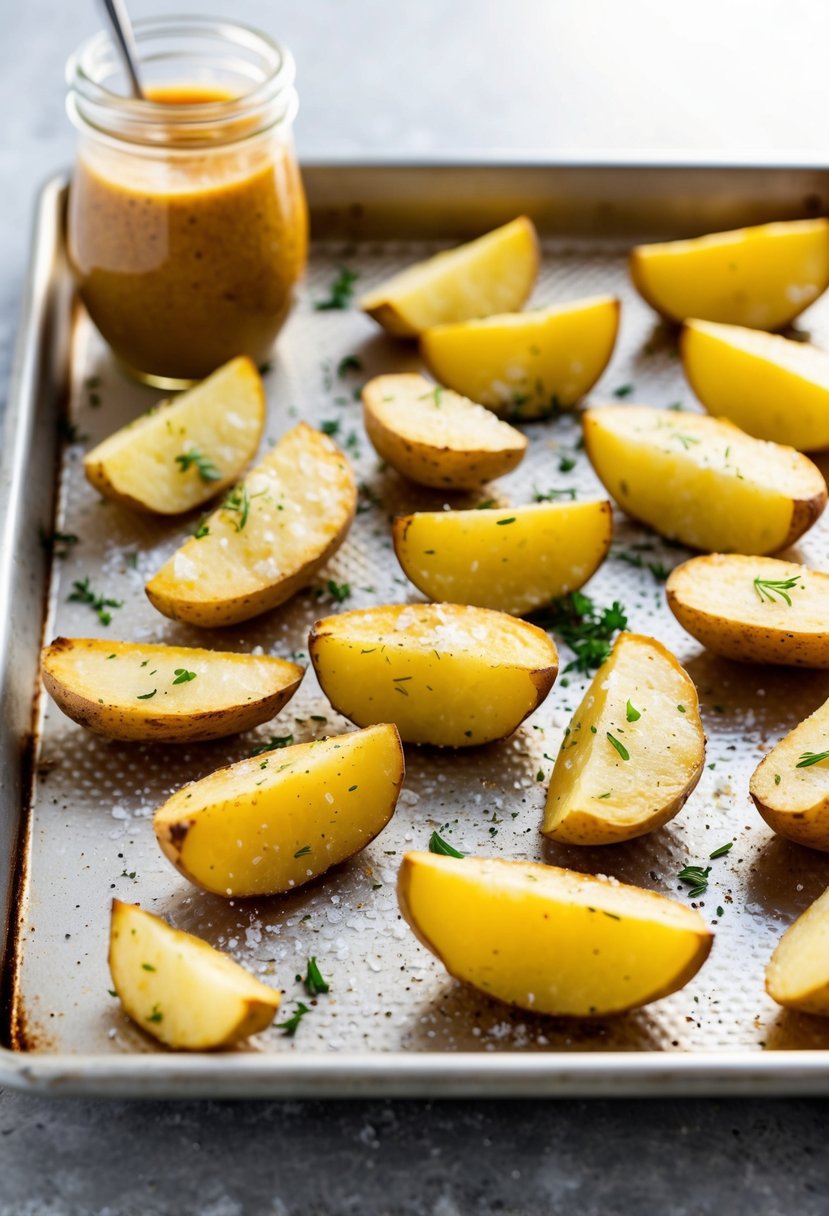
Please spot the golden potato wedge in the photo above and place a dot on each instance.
(272, 823)
(633, 752)
(185, 450)
(494, 273)
(436, 438)
(443, 673)
(526, 365)
(790, 787)
(514, 559)
(797, 975)
(762, 277)
(266, 540)
(549, 940)
(170, 694)
(753, 610)
(181, 990)
(701, 480)
(770, 386)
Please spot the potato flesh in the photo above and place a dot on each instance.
(514, 559)
(274, 822)
(526, 365)
(436, 437)
(702, 481)
(550, 940)
(221, 419)
(597, 797)
(795, 801)
(293, 511)
(445, 674)
(494, 273)
(135, 691)
(716, 600)
(181, 990)
(761, 277)
(797, 975)
(771, 387)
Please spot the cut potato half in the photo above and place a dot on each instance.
(770, 386)
(170, 694)
(494, 273)
(753, 610)
(790, 787)
(633, 752)
(797, 975)
(445, 674)
(549, 940)
(701, 480)
(515, 559)
(526, 365)
(266, 540)
(762, 277)
(185, 450)
(181, 990)
(269, 824)
(436, 438)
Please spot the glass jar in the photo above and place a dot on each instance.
(187, 223)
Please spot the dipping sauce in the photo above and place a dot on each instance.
(186, 253)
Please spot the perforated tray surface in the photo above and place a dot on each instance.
(91, 833)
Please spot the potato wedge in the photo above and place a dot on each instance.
(514, 559)
(494, 273)
(272, 823)
(770, 386)
(549, 940)
(762, 276)
(185, 450)
(436, 438)
(790, 787)
(266, 540)
(443, 673)
(701, 480)
(797, 975)
(181, 990)
(633, 752)
(169, 694)
(753, 610)
(526, 365)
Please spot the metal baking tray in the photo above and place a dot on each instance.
(75, 809)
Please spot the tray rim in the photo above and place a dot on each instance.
(364, 1074)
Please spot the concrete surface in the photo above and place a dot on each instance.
(417, 78)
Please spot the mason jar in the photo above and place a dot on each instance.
(187, 223)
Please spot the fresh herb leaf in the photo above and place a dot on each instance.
(339, 592)
(342, 290)
(566, 464)
(631, 713)
(205, 467)
(586, 629)
(183, 676)
(238, 502)
(82, 593)
(349, 364)
(146, 696)
(290, 1026)
(275, 742)
(553, 494)
(330, 426)
(314, 982)
(156, 1015)
(438, 845)
(624, 390)
(768, 588)
(50, 542)
(304, 851)
(809, 758)
(697, 879)
(721, 851)
(620, 747)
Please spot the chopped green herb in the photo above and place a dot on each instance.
(776, 778)
(721, 851)
(82, 593)
(314, 982)
(631, 713)
(50, 542)
(501, 522)
(342, 290)
(586, 629)
(685, 440)
(438, 845)
(201, 532)
(620, 747)
(238, 502)
(330, 426)
(338, 591)
(183, 676)
(156, 1015)
(304, 851)
(275, 742)
(659, 571)
(290, 1026)
(146, 696)
(809, 758)
(697, 879)
(681, 709)
(205, 467)
(768, 588)
(147, 967)
(566, 464)
(624, 390)
(349, 364)
(554, 494)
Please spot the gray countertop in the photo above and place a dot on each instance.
(540, 75)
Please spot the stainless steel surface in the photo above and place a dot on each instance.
(394, 1023)
(123, 38)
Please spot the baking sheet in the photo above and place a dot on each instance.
(90, 835)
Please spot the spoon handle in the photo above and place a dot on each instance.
(121, 30)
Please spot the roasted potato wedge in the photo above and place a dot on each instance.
(526, 365)
(169, 694)
(181, 990)
(753, 610)
(797, 975)
(701, 480)
(762, 277)
(443, 673)
(790, 787)
(436, 438)
(274, 822)
(515, 559)
(494, 273)
(185, 450)
(549, 940)
(266, 540)
(770, 386)
(633, 752)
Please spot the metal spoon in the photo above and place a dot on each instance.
(122, 35)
